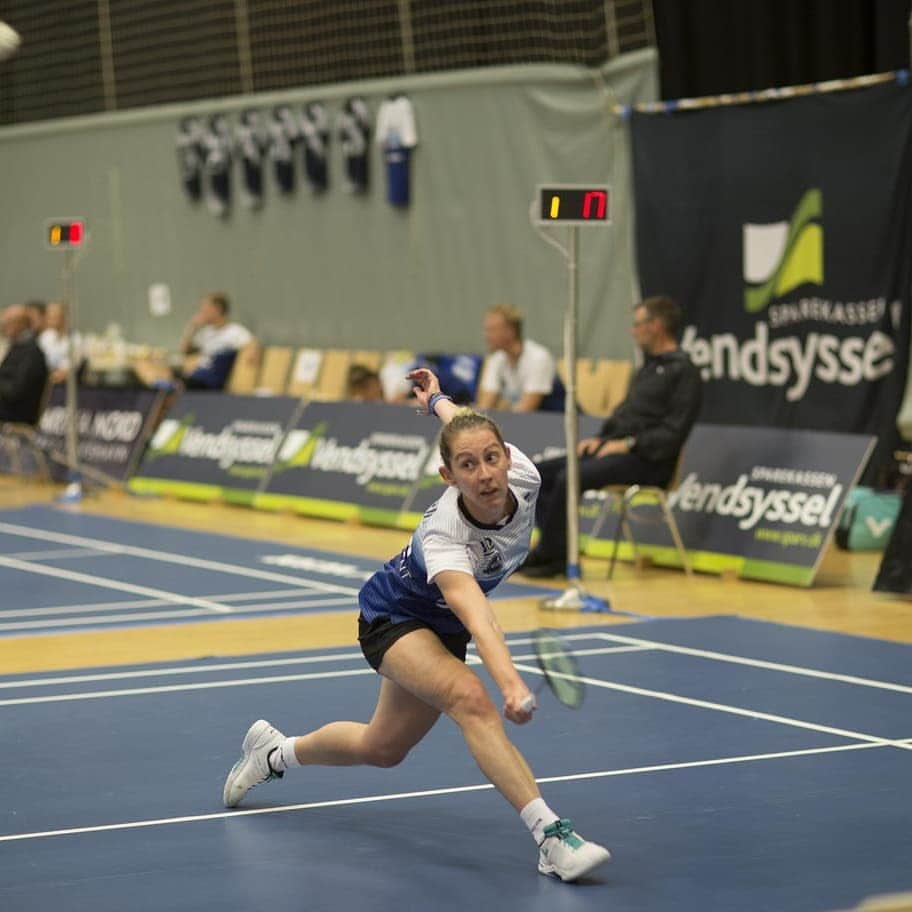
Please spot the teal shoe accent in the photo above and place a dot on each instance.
(563, 830)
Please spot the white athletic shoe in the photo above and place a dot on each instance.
(565, 854)
(253, 766)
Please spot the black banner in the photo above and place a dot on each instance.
(783, 229)
(112, 426)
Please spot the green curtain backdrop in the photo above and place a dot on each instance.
(341, 270)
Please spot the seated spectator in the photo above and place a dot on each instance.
(55, 341)
(36, 311)
(519, 372)
(216, 341)
(37, 314)
(23, 371)
(457, 374)
(363, 384)
(640, 441)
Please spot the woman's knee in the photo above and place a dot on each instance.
(384, 755)
(469, 700)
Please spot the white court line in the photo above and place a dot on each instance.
(262, 594)
(154, 672)
(170, 558)
(473, 658)
(430, 793)
(236, 682)
(104, 583)
(757, 663)
(719, 707)
(59, 554)
(173, 688)
(89, 620)
(90, 607)
(190, 669)
(528, 641)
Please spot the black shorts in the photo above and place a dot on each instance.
(378, 635)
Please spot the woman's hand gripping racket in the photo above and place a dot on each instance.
(559, 670)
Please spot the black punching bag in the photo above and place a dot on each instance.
(895, 574)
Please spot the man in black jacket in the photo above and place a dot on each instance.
(23, 372)
(639, 442)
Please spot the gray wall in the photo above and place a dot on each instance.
(341, 270)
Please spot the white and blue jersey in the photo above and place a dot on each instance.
(447, 538)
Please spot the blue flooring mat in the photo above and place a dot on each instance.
(64, 570)
(732, 781)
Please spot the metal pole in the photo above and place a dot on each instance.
(72, 431)
(570, 421)
(574, 597)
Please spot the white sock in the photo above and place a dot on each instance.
(283, 757)
(536, 815)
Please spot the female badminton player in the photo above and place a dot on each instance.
(418, 614)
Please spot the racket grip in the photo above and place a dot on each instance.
(528, 704)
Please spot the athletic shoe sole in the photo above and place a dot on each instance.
(587, 868)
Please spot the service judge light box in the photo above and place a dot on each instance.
(65, 234)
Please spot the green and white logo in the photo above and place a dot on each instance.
(298, 448)
(169, 436)
(783, 255)
(380, 456)
(243, 448)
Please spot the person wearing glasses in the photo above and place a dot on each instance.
(640, 441)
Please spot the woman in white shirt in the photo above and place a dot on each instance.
(418, 614)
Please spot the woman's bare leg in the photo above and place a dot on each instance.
(399, 722)
(419, 664)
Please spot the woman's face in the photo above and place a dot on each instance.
(478, 468)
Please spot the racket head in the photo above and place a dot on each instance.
(559, 668)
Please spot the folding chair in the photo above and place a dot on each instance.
(628, 494)
(16, 437)
(244, 370)
(276, 363)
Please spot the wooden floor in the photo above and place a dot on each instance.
(840, 600)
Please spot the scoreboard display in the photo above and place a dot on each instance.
(574, 205)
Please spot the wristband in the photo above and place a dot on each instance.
(432, 402)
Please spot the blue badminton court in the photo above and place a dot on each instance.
(728, 764)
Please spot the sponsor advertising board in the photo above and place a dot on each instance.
(761, 502)
(112, 427)
(215, 447)
(351, 460)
